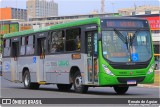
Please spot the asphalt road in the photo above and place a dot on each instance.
(16, 90)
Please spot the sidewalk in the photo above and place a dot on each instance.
(148, 85)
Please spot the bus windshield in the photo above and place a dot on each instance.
(126, 45)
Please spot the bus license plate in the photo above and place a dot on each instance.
(131, 82)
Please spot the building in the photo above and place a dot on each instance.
(154, 21)
(13, 13)
(41, 8)
(139, 10)
(74, 17)
(7, 26)
(52, 20)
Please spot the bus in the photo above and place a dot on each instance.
(97, 52)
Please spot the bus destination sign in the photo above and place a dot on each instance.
(124, 23)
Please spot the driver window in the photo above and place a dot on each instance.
(73, 39)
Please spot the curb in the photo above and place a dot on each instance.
(148, 86)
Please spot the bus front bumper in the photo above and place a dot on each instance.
(109, 80)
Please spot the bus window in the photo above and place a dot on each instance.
(56, 42)
(73, 39)
(41, 46)
(22, 51)
(78, 43)
(30, 45)
(15, 49)
(7, 45)
(95, 44)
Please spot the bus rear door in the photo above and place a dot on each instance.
(15, 43)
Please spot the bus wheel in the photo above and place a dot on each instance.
(64, 87)
(27, 81)
(78, 87)
(121, 90)
(156, 67)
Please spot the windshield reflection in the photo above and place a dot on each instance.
(126, 46)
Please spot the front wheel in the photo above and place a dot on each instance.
(121, 90)
(156, 67)
(78, 86)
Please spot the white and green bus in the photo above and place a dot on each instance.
(97, 52)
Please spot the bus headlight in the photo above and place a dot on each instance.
(151, 69)
(107, 70)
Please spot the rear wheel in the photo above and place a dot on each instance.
(121, 90)
(27, 81)
(64, 87)
(77, 82)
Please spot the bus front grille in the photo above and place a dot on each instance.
(124, 79)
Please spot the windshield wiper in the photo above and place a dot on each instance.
(131, 41)
(120, 35)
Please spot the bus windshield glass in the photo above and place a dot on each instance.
(126, 45)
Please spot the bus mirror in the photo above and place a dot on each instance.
(99, 36)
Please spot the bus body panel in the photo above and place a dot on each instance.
(27, 62)
(57, 67)
(140, 75)
(10, 66)
(6, 68)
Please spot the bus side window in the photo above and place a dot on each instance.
(41, 46)
(15, 49)
(22, 51)
(7, 45)
(73, 39)
(30, 45)
(56, 42)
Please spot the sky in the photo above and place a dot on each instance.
(76, 7)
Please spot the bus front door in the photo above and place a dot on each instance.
(41, 48)
(92, 57)
(14, 61)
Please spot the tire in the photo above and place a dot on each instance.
(156, 67)
(121, 90)
(64, 87)
(27, 81)
(77, 82)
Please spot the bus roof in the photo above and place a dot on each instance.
(53, 27)
(64, 25)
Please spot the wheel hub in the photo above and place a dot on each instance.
(78, 82)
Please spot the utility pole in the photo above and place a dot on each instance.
(102, 6)
(135, 7)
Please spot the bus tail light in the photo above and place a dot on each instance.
(107, 70)
(151, 69)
